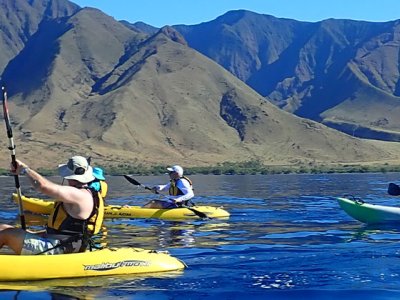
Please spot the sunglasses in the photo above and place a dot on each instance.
(76, 170)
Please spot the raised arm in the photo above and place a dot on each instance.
(59, 192)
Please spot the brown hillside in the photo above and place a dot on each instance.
(162, 102)
(321, 71)
(20, 19)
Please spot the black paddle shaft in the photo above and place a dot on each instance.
(135, 182)
(11, 147)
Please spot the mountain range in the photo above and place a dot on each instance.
(342, 73)
(80, 82)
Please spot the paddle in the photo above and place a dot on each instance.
(133, 181)
(195, 211)
(11, 147)
(393, 189)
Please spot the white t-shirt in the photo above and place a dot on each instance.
(181, 184)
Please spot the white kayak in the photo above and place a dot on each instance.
(369, 213)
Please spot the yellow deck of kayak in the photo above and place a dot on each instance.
(96, 263)
(40, 206)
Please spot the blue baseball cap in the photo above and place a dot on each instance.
(98, 173)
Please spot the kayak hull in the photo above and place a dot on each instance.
(370, 213)
(96, 263)
(40, 206)
(117, 211)
(80, 287)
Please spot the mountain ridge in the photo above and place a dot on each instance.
(299, 66)
(123, 96)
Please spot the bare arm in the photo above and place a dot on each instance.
(62, 193)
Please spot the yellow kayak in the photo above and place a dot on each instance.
(96, 263)
(40, 206)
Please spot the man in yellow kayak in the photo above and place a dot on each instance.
(77, 214)
(180, 190)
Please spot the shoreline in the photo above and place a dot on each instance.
(243, 168)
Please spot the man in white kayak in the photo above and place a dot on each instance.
(180, 190)
(77, 214)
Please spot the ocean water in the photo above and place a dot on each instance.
(287, 238)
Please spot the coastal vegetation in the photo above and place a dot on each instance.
(253, 167)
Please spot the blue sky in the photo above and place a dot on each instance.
(172, 12)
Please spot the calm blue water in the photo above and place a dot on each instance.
(287, 238)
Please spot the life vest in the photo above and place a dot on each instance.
(60, 222)
(100, 186)
(174, 190)
(103, 189)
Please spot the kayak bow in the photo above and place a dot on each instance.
(369, 213)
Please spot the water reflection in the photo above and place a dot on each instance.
(168, 234)
(28, 295)
(80, 288)
(376, 233)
